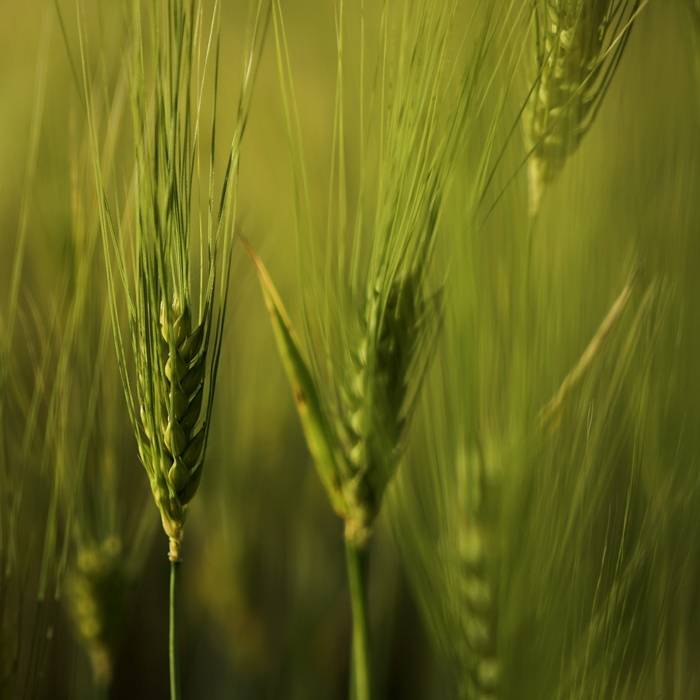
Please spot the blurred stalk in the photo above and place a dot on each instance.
(361, 667)
(172, 637)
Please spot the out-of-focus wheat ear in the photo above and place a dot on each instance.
(578, 46)
(95, 596)
(477, 575)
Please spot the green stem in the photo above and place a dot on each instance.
(172, 637)
(361, 669)
(101, 690)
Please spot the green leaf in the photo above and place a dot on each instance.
(319, 436)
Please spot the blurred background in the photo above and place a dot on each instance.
(264, 599)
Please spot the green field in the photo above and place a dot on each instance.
(464, 246)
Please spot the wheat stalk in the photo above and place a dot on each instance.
(373, 314)
(550, 414)
(579, 44)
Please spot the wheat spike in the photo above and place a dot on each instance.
(184, 369)
(95, 594)
(175, 355)
(475, 600)
(376, 400)
(579, 44)
(173, 441)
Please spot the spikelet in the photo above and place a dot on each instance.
(579, 44)
(375, 407)
(479, 635)
(174, 450)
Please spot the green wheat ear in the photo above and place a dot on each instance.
(369, 315)
(168, 261)
(579, 44)
(375, 397)
(95, 595)
(172, 441)
(184, 369)
(356, 454)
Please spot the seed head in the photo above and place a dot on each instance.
(173, 455)
(579, 44)
(375, 407)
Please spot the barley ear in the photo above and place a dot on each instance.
(95, 593)
(379, 393)
(173, 448)
(579, 44)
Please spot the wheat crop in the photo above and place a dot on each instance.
(502, 409)
(578, 46)
(175, 314)
(174, 330)
(373, 312)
